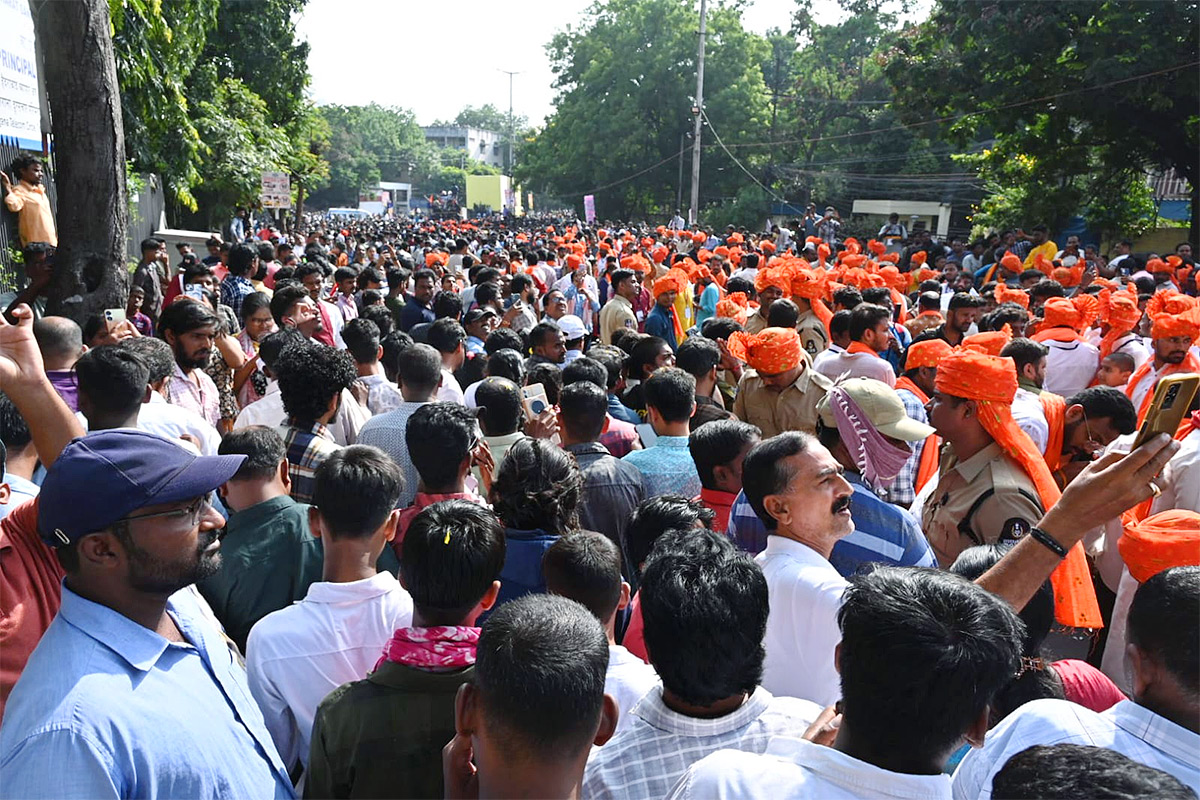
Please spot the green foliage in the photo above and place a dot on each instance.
(748, 209)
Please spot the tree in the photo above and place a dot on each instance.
(1094, 85)
(85, 103)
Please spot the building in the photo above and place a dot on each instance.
(481, 145)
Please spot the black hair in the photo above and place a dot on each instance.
(965, 300)
(1023, 352)
(549, 376)
(285, 299)
(848, 297)
(194, 269)
(154, 353)
(507, 363)
(783, 313)
(22, 162)
(644, 354)
(672, 393)
(439, 436)
(1049, 772)
(541, 333)
(58, 337)
(266, 252)
(362, 340)
(394, 343)
(704, 605)
(1162, 623)
(743, 285)
(719, 328)
(310, 377)
(262, 447)
(452, 552)
(446, 335)
(619, 276)
(368, 276)
(1126, 362)
(355, 489)
(519, 283)
(929, 301)
(1046, 289)
(586, 567)
(625, 339)
(655, 515)
(253, 303)
(584, 408)
(923, 653)
(1010, 313)
(380, 315)
(877, 295)
(241, 258)
(865, 317)
(839, 324)
(275, 343)
(537, 486)
(503, 339)
(486, 293)
(585, 368)
(609, 357)
(717, 443)
(498, 401)
(764, 472)
(114, 379)
(419, 367)
(540, 668)
(447, 305)
(697, 356)
(185, 316)
(1104, 401)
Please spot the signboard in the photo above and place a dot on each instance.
(20, 114)
(589, 208)
(276, 189)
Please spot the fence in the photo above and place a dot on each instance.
(11, 275)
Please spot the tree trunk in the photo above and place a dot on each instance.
(89, 145)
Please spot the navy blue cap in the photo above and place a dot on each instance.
(104, 476)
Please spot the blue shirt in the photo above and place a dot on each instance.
(894, 355)
(108, 708)
(414, 313)
(618, 410)
(667, 467)
(659, 323)
(883, 533)
(708, 303)
(20, 492)
(234, 290)
(474, 345)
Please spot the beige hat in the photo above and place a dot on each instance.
(882, 406)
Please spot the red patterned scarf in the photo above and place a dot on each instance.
(443, 647)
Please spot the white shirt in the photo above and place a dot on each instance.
(1134, 346)
(821, 362)
(802, 631)
(344, 426)
(793, 769)
(1127, 728)
(1030, 417)
(856, 365)
(382, 394)
(336, 323)
(1180, 479)
(646, 759)
(627, 680)
(1070, 366)
(299, 654)
(169, 421)
(449, 391)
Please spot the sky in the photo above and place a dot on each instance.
(422, 74)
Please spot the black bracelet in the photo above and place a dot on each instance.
(1046, 539)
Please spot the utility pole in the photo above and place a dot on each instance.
(698, 110)
(679, 185)
(510, 117)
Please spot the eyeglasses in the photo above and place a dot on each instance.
(192, 513)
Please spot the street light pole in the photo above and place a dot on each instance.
(693, 212)
(510, 117)
(679, 185)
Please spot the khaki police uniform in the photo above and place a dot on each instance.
(755, 323)
(813, 336)
(617, 313)
(981, 500)
(793, 409)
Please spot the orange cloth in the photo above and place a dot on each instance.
(1185, 322)
(735, 306)
(1004, 294)
(1055, 408)
(990, 342)
(768, 246)
(1077, 312)
(927, 466)
(991, 381)
(859, 347)
(928, 353)
(770, 351)
(1190, 364)
(1118, 310)
(778, 277)
(1167, 539)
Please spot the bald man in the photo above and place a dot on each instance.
(61, 341)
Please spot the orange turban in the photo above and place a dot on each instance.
(1158, 265)
(699, 237)
(928, 353)
(768, 246)
(1173, 314)
(990, 342)
(1157, 543)
(1076, 312)
(1004, 294)
(778, 277)
(674, 281)
(735, 238)
(852, 246)
(735, 306)
(1012, 263)
(1119, 310)
(1044, 264)
(659, 254)
(721, 250)
(574, 262)
(808, 284)
(770, 352)
(893, 278)
(876, 247)
(991, 381)
(854, 259)
(918, 259)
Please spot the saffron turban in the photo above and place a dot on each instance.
(876, 247)
(778, 277)
(1012, 263)
(991, 381)
(1076, 312)
(1173, 314)
(990, 342)
(808, 284)
(1119, 310)
(918, 259)
(735, 307)
(769, 352)
(699, 237)
(768, 246)
(1004, 294)
(659, 254)
(1159, 542)
(674, 281)
(574, 262)
(928, 353)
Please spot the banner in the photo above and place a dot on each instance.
(589, 208)
(20, 114)
(276, 190)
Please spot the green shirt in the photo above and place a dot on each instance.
(268, 560)
(383, 736)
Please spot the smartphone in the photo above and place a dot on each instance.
(114, 316)
(533, 398)
(1172, 399)
(194, 291)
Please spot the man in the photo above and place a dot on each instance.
(21, 460)
(700, 358)
(618, 311)
(299, 654)
(922, 654)
(156, 415)
(1157, 727)
(243, 264)
(771, 283)
(1039, 244)
(612, 489)
(362, 341)
(311, 381)
(292, 308)
(1030, 403)
(705, 609)
(28, 200)
(521, 315)
(449, 339)
(914, 388)
(1119, 315)
(574, 332)
(498, 402)
(479, 323)
(345, 280)
(929, 314)
(38, 258)
(190, 328)
(527, 722)
(780, 391)
(132, 674)
(329, 332)
(870, 336)
(662, 321)
(667, 466)
(864, 426)
(1074, 431)
(829, 226)
(419, 377)
(893, 233)
(549, 345)
(963, 312)
(269, 558)
(718, 450)
(150, 276)
(620, 436)
(1070, 360)
(808, 293)
(839, 339)
(1076, 770)
(585, 566)
(61, 341)
(1172, 335)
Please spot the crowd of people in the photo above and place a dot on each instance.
(501, 508)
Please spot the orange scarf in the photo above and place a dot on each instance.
(927, 467)
(1190, 364)
(1057, 335)
(859, 347)
(1167, 539)
(1055, 408)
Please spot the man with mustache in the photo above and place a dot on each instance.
(191, 330)
(1175, 328)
